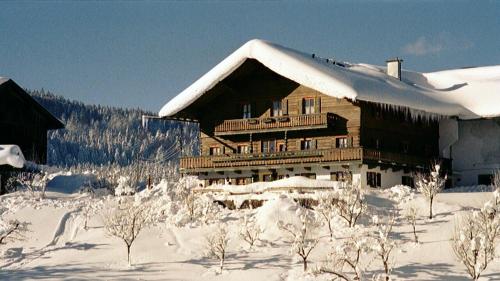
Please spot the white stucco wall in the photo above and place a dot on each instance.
(389, 178)
(477, 150)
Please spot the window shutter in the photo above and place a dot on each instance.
(315, 144)
(299, 107)
(284, 105)
(299, 146)
(317, 105)
(349, 142)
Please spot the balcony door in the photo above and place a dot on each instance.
(268, 146)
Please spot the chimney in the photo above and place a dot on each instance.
(394, 67)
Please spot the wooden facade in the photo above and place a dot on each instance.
(256, 119)
(24, 122)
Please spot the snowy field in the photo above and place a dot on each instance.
(57, 247)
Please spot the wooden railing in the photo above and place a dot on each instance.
(396, 158)
(273, 123)
(301, 157)
(270, 159)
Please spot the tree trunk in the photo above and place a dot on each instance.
(304, 261)
(415, 233)
(430, 208)
(128, 254)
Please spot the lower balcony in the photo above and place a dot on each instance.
(291, 158)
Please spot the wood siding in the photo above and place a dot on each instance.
(380, 136)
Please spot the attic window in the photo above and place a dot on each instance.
(247, 110)
(277, 109)
(308, 106)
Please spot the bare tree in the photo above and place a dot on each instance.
(34, 181)
(383, 244)
(12, 230)
(249, 230)
(126, 223)
(327, 208)
(474, 239)
(351, 203)
(90, 207)
(411, 214)
(430, 185)
(496, 188)
(304, 236)
(348, 255)
(216, 244)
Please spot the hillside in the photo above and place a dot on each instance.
(102, 135)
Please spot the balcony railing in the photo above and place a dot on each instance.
(271, 159)
(235, 161)
(295, 122)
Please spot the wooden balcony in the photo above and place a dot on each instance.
(303, 157)
(270, 124)
(235, 161)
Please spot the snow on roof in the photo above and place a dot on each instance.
(292, 182)
(11, 155)
(466, 93)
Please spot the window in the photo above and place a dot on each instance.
(309, 175)
(376, 143)
(373, 179)
(308, 106)
(215, 150)
(484, 179)
(306, 144)
(342, 176)
(267, 177)
(341, 142)
(243, 149)
(408, 181)
(247, 111)
(268, 146)
(241, 181)
(277, 109)
(281, 147)
(405, 146)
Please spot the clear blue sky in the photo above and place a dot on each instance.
(141, 54)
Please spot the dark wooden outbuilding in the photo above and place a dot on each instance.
(24, 122)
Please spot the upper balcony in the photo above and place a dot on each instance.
(273, 124)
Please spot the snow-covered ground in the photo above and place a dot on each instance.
(58, 248)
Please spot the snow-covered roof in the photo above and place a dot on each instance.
(292, 183)
(466, 93)
(11, 155)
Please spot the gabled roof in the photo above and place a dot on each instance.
(466, 93)
(52, 121)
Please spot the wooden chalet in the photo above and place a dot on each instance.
(268, 112)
